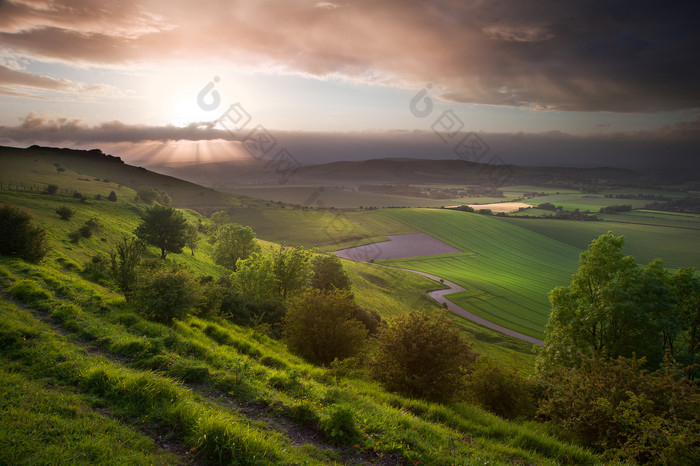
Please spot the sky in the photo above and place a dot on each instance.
(553, 82)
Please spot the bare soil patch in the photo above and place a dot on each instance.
(506, 207)
(398, 247)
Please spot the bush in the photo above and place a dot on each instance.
(125, 261)
(339, 425)
(163, 295)
(112, 196)
(65, 212)
(626, 412)
(503, 391)
(422, 355)
(320, 326)
(19, 237)
(51, 189)
(97, 267)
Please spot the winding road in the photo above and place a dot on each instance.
(439, 296)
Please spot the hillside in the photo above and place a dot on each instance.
(83, 371)
(229, 175)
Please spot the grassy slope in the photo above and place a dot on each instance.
(506, 270)
(87, 175)
(200, 386)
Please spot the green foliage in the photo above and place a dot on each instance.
(216, 221)
(327, 273)
(97, 267)
(151, 195)
(191, 237)
(617, 407)
(255, 278)
(163, 294)
(320, 326)
(233, 243)
(20, 238)
(65, 212)
(340, 426)
(291, 269)
(125, 261)
(501, 390)
(164, 228)
(422, 355)
(611, 308)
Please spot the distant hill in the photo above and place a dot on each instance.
(226, 175)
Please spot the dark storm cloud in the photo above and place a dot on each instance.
(597, 55)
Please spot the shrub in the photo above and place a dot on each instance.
(501, 390)
(51, 189)
(97, 267)
(339, 425)
(163, 295)
(422, 355)
(125, 261)
(628, 413)
(19, 237)
(65, 212)
(112, 196)
(320, 326)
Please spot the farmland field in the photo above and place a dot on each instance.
(651, 238)
(506, 270)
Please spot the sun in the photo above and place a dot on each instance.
(186, 110)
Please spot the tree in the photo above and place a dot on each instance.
(686, 345)
(291, 269)
(191, 237)
(52, 189)
(422, 355)
(327, 273)
(164, 228)
(234, 242)
(125, 262)
(611, 308)
(151, 195)
(112, 196)
(20, 238)
(254, 279)
(319, 326)
(65, 212)
(163, 295)
(217, 220)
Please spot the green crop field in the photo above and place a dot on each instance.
(311, 228)
(506, 270)
(654, 238)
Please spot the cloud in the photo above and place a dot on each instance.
(600, 55)
(15, 82)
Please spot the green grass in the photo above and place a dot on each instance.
(321, 229)
(45, 424)
(506, 270)
(187, 381)
(87, 175)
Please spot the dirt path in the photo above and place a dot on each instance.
(439, 296)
